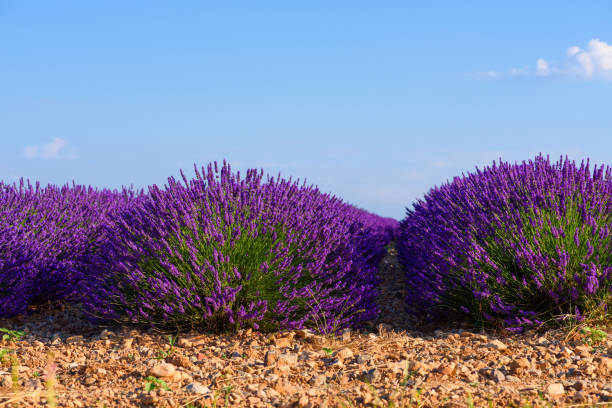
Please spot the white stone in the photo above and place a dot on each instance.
(555, 389)
(162, 370)
(197, 388)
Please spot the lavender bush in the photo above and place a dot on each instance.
(45, 234)
(513, 244)
(223, 251)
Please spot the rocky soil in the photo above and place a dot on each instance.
(63, 360)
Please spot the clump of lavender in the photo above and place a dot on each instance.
(45, 234)
(513, 244)
(222, 251)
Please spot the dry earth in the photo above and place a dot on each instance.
(63, 358)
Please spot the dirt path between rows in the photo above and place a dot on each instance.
(62, 359)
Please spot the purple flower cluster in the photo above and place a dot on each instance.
(45, 236)
(512, 244)
(225, 251)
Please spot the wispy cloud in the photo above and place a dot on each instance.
(56, 149)
(592, 62)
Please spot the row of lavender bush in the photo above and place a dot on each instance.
(219, 251)
(514, 245)
(46, 236)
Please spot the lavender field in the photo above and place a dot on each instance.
(220, 251)
(512, 245)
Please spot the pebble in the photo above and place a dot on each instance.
(497, 345)
(363, 358)
(317, 380)
(448, 369)
(372, 375)
(162, 370)
(181, 361)
(579, 397)
(498, 376)
(283, 342)
(33, 384)
(106, 334)
(604, 362)
(555, 389)
(127, 343)
(303, 333)
(346, 335)
(343, 354)
(190, 342)
(520, 364)
(288, 358)
(197, 388)
(74, 339)
(416, 366)
(38, 344)
(270, 358)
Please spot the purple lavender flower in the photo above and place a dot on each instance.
(224, 251)
(46, 233)
(492, 244)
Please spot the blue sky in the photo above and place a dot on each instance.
(375, 102)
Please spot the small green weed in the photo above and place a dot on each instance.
(408, 374)
(11, 335)
(166, 353)
(328, 350)
(227, 390)
(154, 382)
(594, 335)
(543, 400)
(3, 352)
(415, 398)
(469, 401)
(15, 372)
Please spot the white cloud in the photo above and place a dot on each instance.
(52, 150)
(593, 62)
(519, 71)
(490, 73)
(542, 67)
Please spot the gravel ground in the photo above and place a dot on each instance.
(392, 364)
